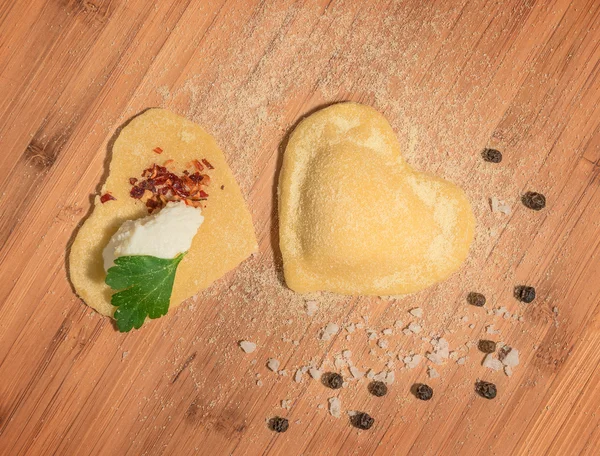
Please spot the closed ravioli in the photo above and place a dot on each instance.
(356, 219)
(225, 238)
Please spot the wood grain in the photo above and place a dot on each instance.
(452, 77)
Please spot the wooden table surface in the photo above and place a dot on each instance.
(453, 77)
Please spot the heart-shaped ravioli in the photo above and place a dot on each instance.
(356, 219)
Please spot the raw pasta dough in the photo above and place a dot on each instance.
(224, 240)
(356, 219)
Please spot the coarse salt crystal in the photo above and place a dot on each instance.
(390, 377)
(315, 373)
(509, 356)
(491, 363)
(461, 361)
(247, 347)
(356, 373)
(382, 343)
(298, 376)
(329, 331)
(273, 364)
(335, 407)
(387, 332)
(351, 328)
(432, 372)
(416, 312)
(346, 354)
(311, 308)
(415, 328)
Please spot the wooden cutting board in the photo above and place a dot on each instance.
(453, 77)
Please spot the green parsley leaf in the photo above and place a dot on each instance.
(144, 284)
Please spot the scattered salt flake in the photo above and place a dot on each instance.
(416, 312)
(339, 363)
(348, 337)
(247, 347)
(387, 332)
(335, 407)
(311, 308)
(283, 373)
(432, 372)
(453, 355)
(124, 355)
(464, 319)
(286, 404)
(273, 364)
(382, 343)
(380, 377)
(499, 311)
(435, 358)
(259, 383)
(491, 363)
(352, 412)
(371, 374)
(508, 371)
(461, 361)
(356, 373)
(490, 330)
(346, 354)
(372, 334)
(390, 377)
(329, 331)
(398, 324)
(555, 310)
(320, 406)
(298, 376)
(412, 361)
(315, 373)
(509, 356)
(471, 326)
(415, 328)
(351, 328)
(407, 331)
(500, 206)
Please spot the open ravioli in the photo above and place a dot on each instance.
(225, 238)
(356, 219)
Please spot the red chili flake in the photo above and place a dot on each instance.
(159, 186)
(208, 165)
(197, 165)
(132, 180)
(158, 150)
(106, 197)
(136, 192)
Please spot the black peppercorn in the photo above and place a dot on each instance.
(476, 299)
(492, 155)
(333, 380)
(423, 392)
(487, 346)
(378, 389)
(362, 420)
(279, 424)
(525, 294)
(486, 389)
(534, 200)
